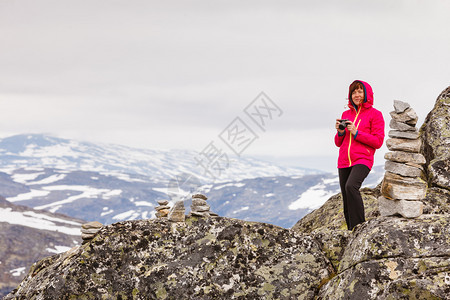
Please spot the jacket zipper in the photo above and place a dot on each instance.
(350, 141)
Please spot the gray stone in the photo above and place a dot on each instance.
(200, 196)
(401, 126)
(93, 224)
(176, 216)
(400, 106)
(163, 202)
(405, 208)
(162, 207)
(200, 208)
(177, 213)
(409, 116)
(405, 188)
(200, 214)
(90, 231)
(87, 236)
(402, 169)
(198, 202)
(163, 213)
(404, 145)
(439, 172)
(405, 157)
(411, 135)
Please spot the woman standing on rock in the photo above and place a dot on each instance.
(360, 132)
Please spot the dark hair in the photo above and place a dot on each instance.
(354, 86)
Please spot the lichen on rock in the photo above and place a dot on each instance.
(206, 258)
(394, 254)
(436, 141)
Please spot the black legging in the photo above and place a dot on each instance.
(351, 180)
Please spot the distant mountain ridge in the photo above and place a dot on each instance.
(38, 150)
(111, 183)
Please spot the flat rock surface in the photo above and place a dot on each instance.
(401, 126)
(93, 224)
(408, 188)
(402, 169)
(405, 157)
(406, 145)
(410, 135)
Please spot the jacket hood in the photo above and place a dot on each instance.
(368, 95)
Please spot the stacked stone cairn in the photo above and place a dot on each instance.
(177, 212)
(162, 211)
(200, 208)
(89, 230)
(403, 185)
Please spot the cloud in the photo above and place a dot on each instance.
(127, 72)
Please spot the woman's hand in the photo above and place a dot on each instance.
(338, 121)
(351, 127)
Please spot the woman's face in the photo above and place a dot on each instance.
(358, 96)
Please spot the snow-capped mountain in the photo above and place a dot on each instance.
(42, 151)
(111, 183)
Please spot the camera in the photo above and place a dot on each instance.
(343, 123)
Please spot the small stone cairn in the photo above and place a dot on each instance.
(200, 208)
(177, 212)
(403, 186)
(89, 230)
(162, 211)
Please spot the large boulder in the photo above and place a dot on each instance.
(395, 258)
(203, 258)
(327, 224)
(436, 141)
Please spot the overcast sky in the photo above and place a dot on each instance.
(175, 74)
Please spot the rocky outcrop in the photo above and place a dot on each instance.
(203, 258)
(327, 224)
(395, 258)
(436, 141)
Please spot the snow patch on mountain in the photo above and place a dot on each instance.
(24, 178)
(35, 220)
(18, 271)
(58, 249)
(313, 198)
(48, 180)
(229, 184)
(86, 192)
(29, 195)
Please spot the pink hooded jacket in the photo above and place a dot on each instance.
(369, 122)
